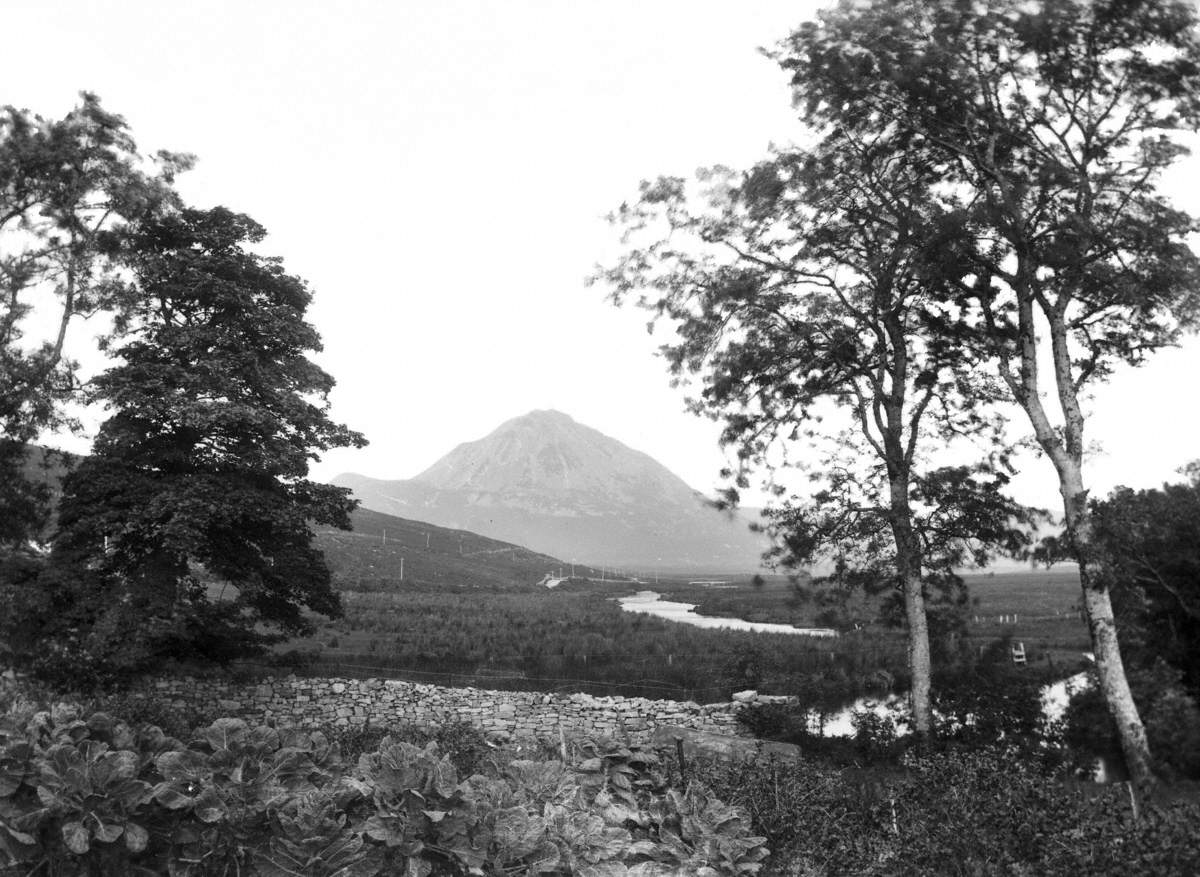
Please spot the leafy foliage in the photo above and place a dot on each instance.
(808, 300)
(97, 796)
(199, 475)
(1172, 717)
(1149, 544)
(1050, 125)
(68, 190)
(988, 811)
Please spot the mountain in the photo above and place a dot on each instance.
(556, 486)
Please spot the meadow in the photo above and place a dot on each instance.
(576, 638)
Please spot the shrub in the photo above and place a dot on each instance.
(96, 796)
(1171, 715)
(968, 812)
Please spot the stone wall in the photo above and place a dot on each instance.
(301, 702)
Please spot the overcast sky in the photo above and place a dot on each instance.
(439, 170)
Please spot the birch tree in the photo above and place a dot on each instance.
(1052, 123)
(808, 284)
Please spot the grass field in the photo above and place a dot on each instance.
(575, 637)
(1038, 593)
(1038, 608)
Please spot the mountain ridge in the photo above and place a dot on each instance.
(557, 486)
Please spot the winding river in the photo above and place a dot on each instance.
(650, 603)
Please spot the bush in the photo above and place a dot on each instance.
(95, 796)
(1171, 716)
(985, 811)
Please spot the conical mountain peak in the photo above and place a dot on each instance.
(550, 483)
(548, 451)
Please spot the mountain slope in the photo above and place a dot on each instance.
(369, 556)
(544, 481)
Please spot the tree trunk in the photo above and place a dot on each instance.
(918, 658)
(1110, 668)
(908, 569)
(1115, 687)
(1065, 451)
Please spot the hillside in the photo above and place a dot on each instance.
(545, 481)
(369, 557)
(363, 558)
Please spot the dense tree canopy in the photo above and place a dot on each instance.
(187, 532)
(1050, 124)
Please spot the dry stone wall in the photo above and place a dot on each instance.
(305, 702)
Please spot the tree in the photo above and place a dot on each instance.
(186, 533)
(810, 283)
(1148, 543)
(1148, 549)
(1051, 124)
(67, 188)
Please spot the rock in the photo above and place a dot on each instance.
(745, 696)
(706, 744)
(777, 698)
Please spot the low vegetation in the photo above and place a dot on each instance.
(85, 793)
(957, 812)
(91, 795)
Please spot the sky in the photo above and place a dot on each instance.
(439, 172)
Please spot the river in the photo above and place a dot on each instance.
(650, 603)
(1055, 696)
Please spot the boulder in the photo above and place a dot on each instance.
(705, 744)
(746, 696)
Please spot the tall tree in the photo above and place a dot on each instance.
(809, 284)
(1052, 123)
(67, 188)
(187, 532)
